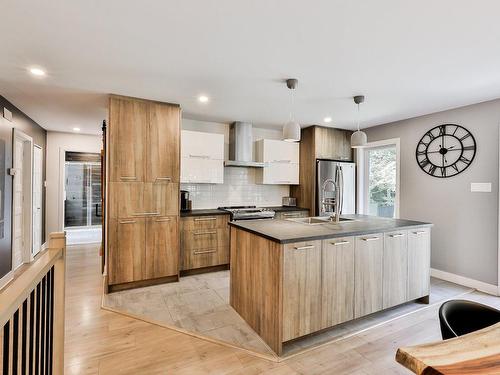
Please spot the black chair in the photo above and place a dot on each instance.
(459, 317)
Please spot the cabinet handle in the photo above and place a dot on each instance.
(339, 243)
(163, 219)
(198, 252)
(128, 178)
(205, 219)
(206, 232)
(294, 214)
(163, 178)
(370, 239)
(127, 221)
(199, 156)
(146, 214)
(396, 235)
(282, 182)
(304, 247)
(419, 232)
(282, 161)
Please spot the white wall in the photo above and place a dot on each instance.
(57, 144)
(239, 187)
(465, 232)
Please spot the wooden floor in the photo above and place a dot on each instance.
(103, 342)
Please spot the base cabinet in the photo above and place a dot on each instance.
(337, 281)
(301, 289)
(395, 272)
(419, 259)
(162, 244)
(368, 256)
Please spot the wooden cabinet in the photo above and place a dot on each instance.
(333, 144)
(419, 258)
(289, 214)
(202, 157)
(162, 247)
(204, 241)
(395, 268)
(368, 256)
(127, 139)
(126, 237)
(337, 281)
(143, 191)
(282, 162)
(301, 289)
(162, 158)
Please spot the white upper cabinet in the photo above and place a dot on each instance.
(282, 162)
(202, 157)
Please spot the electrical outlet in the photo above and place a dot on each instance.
(480, 187)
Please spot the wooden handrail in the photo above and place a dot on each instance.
(18, 291)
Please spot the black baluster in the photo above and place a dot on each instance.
(42, 329)
(37, 341)
(24, 337)
(6, 337)
(15, 341)
(32, 332)
(51, 323)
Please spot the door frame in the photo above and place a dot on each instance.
(362, 174)
(27, 193)
(34, 251)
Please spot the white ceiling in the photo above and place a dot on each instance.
(408, 57)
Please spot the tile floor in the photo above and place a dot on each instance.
(200, 304)
(83, 236)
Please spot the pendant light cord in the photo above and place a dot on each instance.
(358, 117)
(291, 104)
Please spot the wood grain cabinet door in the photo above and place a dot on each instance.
(333, 143)
(161, 198)
(128, 121)
(419, 259)
(126, 250)
(395, 272)
(301, 289)
(163, 140)
(162, 247)
(368, 255)
(338, 281)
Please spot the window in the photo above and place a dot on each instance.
(379, 179)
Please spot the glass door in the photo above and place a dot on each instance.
(82, 205)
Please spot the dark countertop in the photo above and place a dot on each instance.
(203, 212)
(288, 231)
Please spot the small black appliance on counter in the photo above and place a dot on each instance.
(185, 202)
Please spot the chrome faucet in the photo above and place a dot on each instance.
(335, 203)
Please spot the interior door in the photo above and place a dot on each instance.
(18, 240)
(37, 199)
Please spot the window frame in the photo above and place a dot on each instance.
(363, 178)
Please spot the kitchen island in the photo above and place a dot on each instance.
(290, 278)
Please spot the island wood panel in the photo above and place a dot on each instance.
(204, 222)
(337, 281)
(256, 284)
(162, 247)
(128, 119)
(419, 260)
(395, 268)
(368, 256)
(163, 140)
(301, 289)
(126, 260)
(475, 353)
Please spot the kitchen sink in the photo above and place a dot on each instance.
(315, 220)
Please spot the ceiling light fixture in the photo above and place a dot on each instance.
(76, 129)
(37, 72)
(327, 119)
(203, 99)
(291, 130)
(358, 138)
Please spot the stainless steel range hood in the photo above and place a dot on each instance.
(241, 146)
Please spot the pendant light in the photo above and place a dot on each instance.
(291, 130)
(358, 138)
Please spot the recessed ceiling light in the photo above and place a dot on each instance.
(37, 72)
(327, 119)
(203, 99)
(76, 129)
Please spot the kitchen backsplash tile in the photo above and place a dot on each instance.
(239, 188)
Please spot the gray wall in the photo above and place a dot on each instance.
(465, 233)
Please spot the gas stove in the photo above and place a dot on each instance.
(248, 212)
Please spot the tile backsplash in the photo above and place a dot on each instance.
(239, 189)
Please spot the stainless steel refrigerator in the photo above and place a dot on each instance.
(344, 173)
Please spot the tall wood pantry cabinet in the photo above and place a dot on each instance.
(143, 192)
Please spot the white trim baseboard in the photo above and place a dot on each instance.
(465, 281)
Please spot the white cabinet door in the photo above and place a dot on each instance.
(202, 171)
(275, 151)
(199, 145)
(280, 174)
(419, 262)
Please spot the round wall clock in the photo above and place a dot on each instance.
(446, 150)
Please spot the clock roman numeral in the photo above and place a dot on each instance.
(442, 129)
(463, 159)
(423, 163)
(431, 136)
(432, 169)
(443, 171)
(465, 137)
(421, 153)
(469, 148)
(454, 166)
